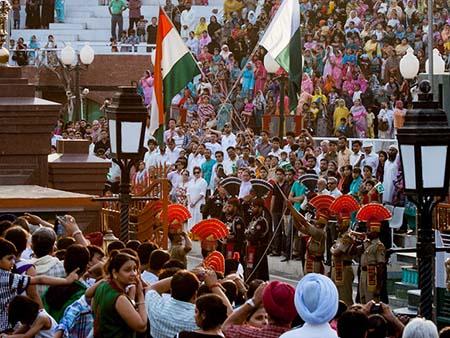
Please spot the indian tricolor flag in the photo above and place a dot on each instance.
(282, 42)
(174, 68)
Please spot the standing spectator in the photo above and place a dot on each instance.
(16, 13)
(48, 13)
(59, 11)
(196, 193)
(134, 7)
(116, 8)
(146, 84)
(33, 19)
(151, 31)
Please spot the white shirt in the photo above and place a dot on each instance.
(228, 166)
(245, 189)
(178, 140)
(175, 178)
(195, 161)
(213, 147)
(228, 141)
(287, 148)
(149, 155)
(354, 158)
(149, 277)
(370, 160)
(173, 154)
(335, 193)
(276, 153)
(159, 159)
(114, 172)
(311, 331)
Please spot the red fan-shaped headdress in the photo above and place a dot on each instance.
(344, 205)
(373, 214)
(215, 261)
(212, 228)
(322, 205)
(177, 214)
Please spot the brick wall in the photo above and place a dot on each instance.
(107, 72)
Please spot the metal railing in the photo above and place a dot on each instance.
(38, 56)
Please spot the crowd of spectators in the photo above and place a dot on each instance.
(115, 289)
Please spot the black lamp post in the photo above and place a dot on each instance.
(424, 144)
(126, 120)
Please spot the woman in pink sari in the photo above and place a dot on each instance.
(336, 62)
(307, 84)
(359, 114)
(261, 76)
(348, 85)
(146, 83)
(362, 82)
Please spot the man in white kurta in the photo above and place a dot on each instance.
(196, 192)
(390, 174)
(187, 19)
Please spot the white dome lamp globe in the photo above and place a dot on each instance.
(409, 65)
(68, 55)
(87, 54)
(438, 63)
(270, 64)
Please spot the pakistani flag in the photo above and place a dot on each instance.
(282, 42)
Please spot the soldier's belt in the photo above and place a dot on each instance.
(346, 263)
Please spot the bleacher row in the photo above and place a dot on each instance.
(88, 21)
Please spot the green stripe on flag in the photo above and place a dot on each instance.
(290, 60)
(184, 70)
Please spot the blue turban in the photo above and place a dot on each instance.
(316, 299)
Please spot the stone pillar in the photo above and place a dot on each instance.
(26, 125)
(72, 169)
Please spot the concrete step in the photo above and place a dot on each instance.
(406, 258)
(61, 36)
(413, 299)
(68, 26)
(406, 311)
(94, 35)
(395, 302)
(401, 289)
(81, 13)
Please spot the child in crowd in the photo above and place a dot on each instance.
(13, 284)
(132, 40)
(140, 26)
(113, 44)
(34, 322)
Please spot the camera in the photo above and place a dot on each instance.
(375, 309)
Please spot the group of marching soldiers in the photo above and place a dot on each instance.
(356, 247)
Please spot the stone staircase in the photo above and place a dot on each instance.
(87, 21)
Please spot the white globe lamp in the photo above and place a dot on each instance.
(68, 55)
(438, 63)
(409, 65)
(87, 54)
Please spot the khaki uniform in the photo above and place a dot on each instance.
(315, 249)
(373, 256)
(342, 272)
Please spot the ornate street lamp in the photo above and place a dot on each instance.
(424, 143)
(77, 62)
(126, 120)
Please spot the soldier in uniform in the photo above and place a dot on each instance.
(373, 260)
(373, 257)
(343, 252)
(257, 235)
(235, 242)
(344, 249)
(215, 203)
